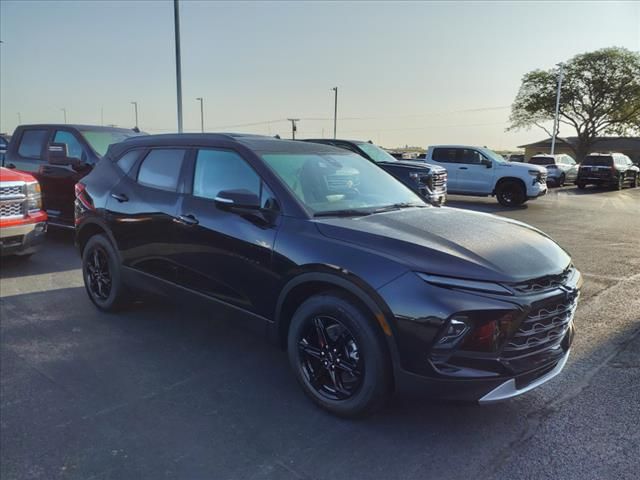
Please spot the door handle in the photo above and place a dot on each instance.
(462, 168)
(188, 220)
(121, 197)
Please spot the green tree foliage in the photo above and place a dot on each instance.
(600, 96)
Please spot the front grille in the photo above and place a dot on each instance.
(11, 208)
(543, 177)
(11, 190)
(438, 180)
(544, 283)
(544, 327)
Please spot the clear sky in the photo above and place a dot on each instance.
(414, 73)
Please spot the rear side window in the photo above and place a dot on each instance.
(446, 155)
(218, 170)
(126, 161)
(542, 161)
(161, 169)
(598, 160)
(32, 143)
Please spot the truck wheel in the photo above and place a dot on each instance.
(561, 180)
(581, 185)
(511, 193)
(634, 182)
(620, 184)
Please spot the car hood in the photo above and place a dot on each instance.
(454, 242)
(523, 166)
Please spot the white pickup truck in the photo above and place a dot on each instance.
(480, 172)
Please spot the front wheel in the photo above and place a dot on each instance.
(511, 194)
(102, 274)
(634, 182)
(339, 356)
(561, 180)
(620, 184)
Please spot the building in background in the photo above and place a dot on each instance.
(630, 146)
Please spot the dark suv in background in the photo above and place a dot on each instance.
(58, 156)
(608, 169)
(367, 287)
(429, 181)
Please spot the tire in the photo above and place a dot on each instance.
(339, 356)
(561, 180)
(620, 184)
(581, 185)
(511, 193)
(634, 182)
(102, 274)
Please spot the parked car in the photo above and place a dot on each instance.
(561, 168)
(517, 157)
(429, 181)
(368, 288)
(58, 156)
(607, 169)
(23, 223)
(479, 171)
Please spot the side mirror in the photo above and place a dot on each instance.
(59, 155)
(487, 163)
(237, 199)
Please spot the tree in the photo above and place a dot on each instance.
(600, 96)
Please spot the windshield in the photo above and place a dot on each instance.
(340, 183)
(493, 155)
(598, 160)
(101, 139)
(542, 161)
(376, 153)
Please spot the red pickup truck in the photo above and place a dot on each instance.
(23, 223)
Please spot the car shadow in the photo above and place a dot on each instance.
(481, 206)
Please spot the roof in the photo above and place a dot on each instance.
(75, 125)
(258, 143)
(327, 140)
(603, 143)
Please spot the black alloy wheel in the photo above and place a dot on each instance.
(339, 355)
(511, 194)
(98, 274)
(330, 359)
(561, 180)
(102, 274)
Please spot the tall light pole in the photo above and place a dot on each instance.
(335, 112)
(176, 21)
(64, 111)
(294, 128)
(555, 119)
(201, 100)
(135, 109)
(19, 119)
(102, 116)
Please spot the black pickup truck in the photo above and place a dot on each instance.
(59, 156)
(429, 181)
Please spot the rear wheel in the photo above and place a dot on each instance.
(620, 184)
(634, 182)
(339, 356)
(561, 180)
(511, 193)
(102, 274)
(581, 185)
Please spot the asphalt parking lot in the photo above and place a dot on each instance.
(162, 391)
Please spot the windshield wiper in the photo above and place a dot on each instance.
(343, 213)
(398, 206)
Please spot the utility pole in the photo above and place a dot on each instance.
(135, 108)
(335, 112)
(64, 110)
(555, 119)
(19, 119)
(102, 116)
(294, 128)
(176, 21)
(201, 100)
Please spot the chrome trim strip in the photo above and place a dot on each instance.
(16, 230)
(508, 389)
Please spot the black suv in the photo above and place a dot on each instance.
(59, 156)
(608, 169)
(429, 181)
(365, 285)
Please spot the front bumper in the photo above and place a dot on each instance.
(23, 238)
(435, 197)
(537, 190)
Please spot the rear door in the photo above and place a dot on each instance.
(142, 209)
(28, 150)
(225, 254)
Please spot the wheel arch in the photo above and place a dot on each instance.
(88, 229)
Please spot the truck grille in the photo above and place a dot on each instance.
(544, 328)
(438, 181)
(544, 283)
(11, 190)
(11, 208)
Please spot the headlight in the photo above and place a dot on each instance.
(463, 284)
(34, 197)
(534, 173)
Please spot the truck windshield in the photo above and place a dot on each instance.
(376, 153)
(493, 155)
(101, 139)
(340, 184)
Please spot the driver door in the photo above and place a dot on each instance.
(473, 176)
